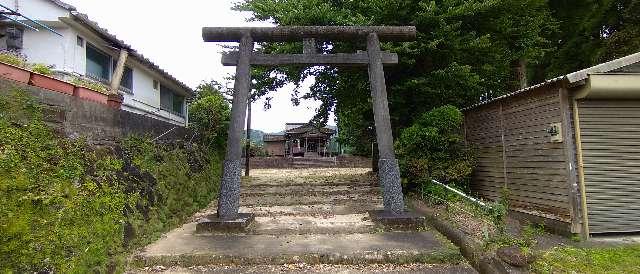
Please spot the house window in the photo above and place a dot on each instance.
(98, 63)
(156, 84)
(127, 79)
(178, 103)
(80, 41)
(171, 102)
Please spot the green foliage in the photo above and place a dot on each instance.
(433, 148)
(42, 69)
(69, 207)
(590, 32)
(619, 259)
(209, 116)
(463, 53)
(526, 241)
(90, 84)
(57, 214)
(13, 58)
(185, 181)
(498, 211)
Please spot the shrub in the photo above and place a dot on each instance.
(209, 117)
(433, 148)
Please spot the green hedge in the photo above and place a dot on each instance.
(66, 206)
(433, 148)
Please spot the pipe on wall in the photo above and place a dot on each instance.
(583, 192)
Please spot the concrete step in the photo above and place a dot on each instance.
(310, 210)
(309, 190)
(276, 183)
(183, 247)
(301, 268)
(329, 224)
(294, 199)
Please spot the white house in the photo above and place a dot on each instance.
(88, 50)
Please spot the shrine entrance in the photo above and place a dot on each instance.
(374, 59)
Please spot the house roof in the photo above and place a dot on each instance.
(63, 5)
(574, 78)
(273, 138)
(309, 129)
(104, 33)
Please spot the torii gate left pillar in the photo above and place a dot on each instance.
(228, 217)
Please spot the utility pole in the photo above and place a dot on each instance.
(248, 144)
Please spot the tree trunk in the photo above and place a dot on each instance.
(519, 68)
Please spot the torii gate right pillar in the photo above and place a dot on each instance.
(388, 172)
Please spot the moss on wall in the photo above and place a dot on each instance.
(68, 207)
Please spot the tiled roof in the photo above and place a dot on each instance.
(63, 5)
(575, 77)
(272, 138)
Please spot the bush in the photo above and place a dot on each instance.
(433, 148)
(209, 117)
(67, 206)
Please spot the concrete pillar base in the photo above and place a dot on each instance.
(229, 198)
(404, 220)
(214, 224)
(389, 176)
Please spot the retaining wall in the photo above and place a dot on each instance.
(75, 117)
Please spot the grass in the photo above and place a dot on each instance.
(620, 259)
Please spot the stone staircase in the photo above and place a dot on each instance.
(313, 220)
(313, 162)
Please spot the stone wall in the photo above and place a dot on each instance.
(288, 162)
(98, 123)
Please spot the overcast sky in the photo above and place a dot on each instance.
(169, 33)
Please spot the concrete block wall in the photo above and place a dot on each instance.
(98, 123)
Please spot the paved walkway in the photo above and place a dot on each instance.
(308, 221)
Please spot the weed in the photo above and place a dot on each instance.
(620, 259)
(97, 86)
(13, 58)
(42, 69)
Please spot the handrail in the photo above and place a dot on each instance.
(462, 194)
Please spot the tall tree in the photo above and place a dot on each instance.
(591, 32)
(464, 52)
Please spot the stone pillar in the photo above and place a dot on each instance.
(229, 199)
(389, 172)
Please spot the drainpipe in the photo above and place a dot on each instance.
(583, 192)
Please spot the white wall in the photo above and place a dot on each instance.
(49, 48)
(143, 86)
(42, 10)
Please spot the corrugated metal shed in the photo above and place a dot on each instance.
(610, 133)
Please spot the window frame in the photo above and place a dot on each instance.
(89, 46)
(170, 106)
(124, 73)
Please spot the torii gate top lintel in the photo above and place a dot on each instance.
(298, 33)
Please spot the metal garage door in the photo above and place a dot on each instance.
(610, 132)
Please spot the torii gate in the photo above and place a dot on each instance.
(389, 173)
